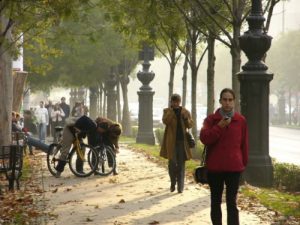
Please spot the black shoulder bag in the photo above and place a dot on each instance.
(200, 172)
(190, 139)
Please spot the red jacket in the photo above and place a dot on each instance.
(228, 146)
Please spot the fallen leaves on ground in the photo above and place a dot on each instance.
(122, 201)
(252, 205)
(89, 219)
(20, 206)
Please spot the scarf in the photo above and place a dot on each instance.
(228, 114)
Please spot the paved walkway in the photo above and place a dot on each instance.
(138, 195)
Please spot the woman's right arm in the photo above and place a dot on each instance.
(210, 132)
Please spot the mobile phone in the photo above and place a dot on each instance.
(226, 117)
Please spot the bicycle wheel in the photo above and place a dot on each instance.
(107, 160)
(79, 167)
(52, 157)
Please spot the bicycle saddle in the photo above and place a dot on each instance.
(58, 128)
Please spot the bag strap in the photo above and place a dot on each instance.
(203, 157)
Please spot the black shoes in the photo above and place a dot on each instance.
(172, 188)
(115, 172)
(179, 189)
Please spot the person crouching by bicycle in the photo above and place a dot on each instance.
(83, 126)
(110, 136)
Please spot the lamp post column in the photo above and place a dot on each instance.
(145, 124)
(255, 88)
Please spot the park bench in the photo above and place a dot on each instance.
(11, 160)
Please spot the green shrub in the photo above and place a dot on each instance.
(134, 131)
(159, 134)
(286, 176)
(197, 151)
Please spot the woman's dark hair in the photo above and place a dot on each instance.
(175, 98)
(227, 90)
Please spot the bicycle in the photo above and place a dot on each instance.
(106, 160)
(78, 155)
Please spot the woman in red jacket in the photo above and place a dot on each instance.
(225, 134)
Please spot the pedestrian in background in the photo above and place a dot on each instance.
(174, 146)
(77, 110)
(49, 107)
(57, 116)
(42, 118)
(225, 134)
(66, 108)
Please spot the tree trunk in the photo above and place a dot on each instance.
(297, 107)
(119, 116)
(290, 106)
(172, 68)
(6, 88)
(184, 76)
(93, 102)
(19, 80)
(235, 52)
(101, 99)
(281, 107)
(104, 102)
(236, 65)
(211, 74)
(194, 71)
(126, 123)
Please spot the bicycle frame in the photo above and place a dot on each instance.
(79, 151)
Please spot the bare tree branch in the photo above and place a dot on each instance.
(226, 33)
(270, 14)
(201, 58)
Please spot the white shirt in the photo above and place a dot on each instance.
(57, 115)
(42, 115)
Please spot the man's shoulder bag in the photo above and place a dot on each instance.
(190, 139)
(200, 172)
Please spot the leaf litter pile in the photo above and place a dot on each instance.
(23, 206)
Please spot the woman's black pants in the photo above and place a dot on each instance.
(216, 183)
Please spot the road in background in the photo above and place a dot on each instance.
(285, 145)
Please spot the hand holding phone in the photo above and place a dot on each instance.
(224, 121)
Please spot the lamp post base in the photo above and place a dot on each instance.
(145, 138)
(255, 107)
(259, 172)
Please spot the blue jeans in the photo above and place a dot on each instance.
(42, 130)
(216, 183)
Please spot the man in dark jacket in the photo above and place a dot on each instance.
(66, 108)
(83, 126)
(175, 147)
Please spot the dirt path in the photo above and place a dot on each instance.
(138, 195)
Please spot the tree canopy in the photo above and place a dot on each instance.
(87, 47)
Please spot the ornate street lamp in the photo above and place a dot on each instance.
(145, 127)
(254, 92)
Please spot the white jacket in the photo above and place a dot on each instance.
(42, 115)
